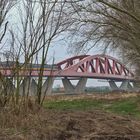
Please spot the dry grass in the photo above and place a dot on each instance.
(110, 96)
(33, 123)
(67, 125)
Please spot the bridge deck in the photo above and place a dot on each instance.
(96, 66)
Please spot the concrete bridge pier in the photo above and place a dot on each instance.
(113, 85)
(79, 88)
(124, 86)
(33, 87)
(136, 86)
(28, 87)
(69, 88)
(47, 86)
(130, 87)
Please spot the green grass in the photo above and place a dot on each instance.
(73, 105)
(130, 106)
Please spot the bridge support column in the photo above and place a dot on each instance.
(69, 88)
(136, 86)
(28, 87)
(47, 86)
(79, 88)
(130, 87)
(33, 87)
(113, 85)
(124, 86)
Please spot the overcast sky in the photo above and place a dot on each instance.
(59, 50)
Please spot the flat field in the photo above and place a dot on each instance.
(81, 117)
(122, 104)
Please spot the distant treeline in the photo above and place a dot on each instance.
(102, 89)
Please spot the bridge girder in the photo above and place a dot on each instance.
(88, 66)
(96, 66)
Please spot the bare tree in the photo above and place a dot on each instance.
(5, 7)
(108, 24)
(41, 23)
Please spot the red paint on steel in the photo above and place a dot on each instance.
(95, 66)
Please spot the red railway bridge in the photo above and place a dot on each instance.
(78, 67)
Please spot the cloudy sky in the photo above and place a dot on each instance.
(58, 49)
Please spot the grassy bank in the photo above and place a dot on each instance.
(74, 119)
(129, 106)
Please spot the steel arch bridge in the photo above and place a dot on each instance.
(89, 66)
(94, 66)
(78, 67)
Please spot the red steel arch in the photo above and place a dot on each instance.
(95, 66)
(90, 66)
(70, 61)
